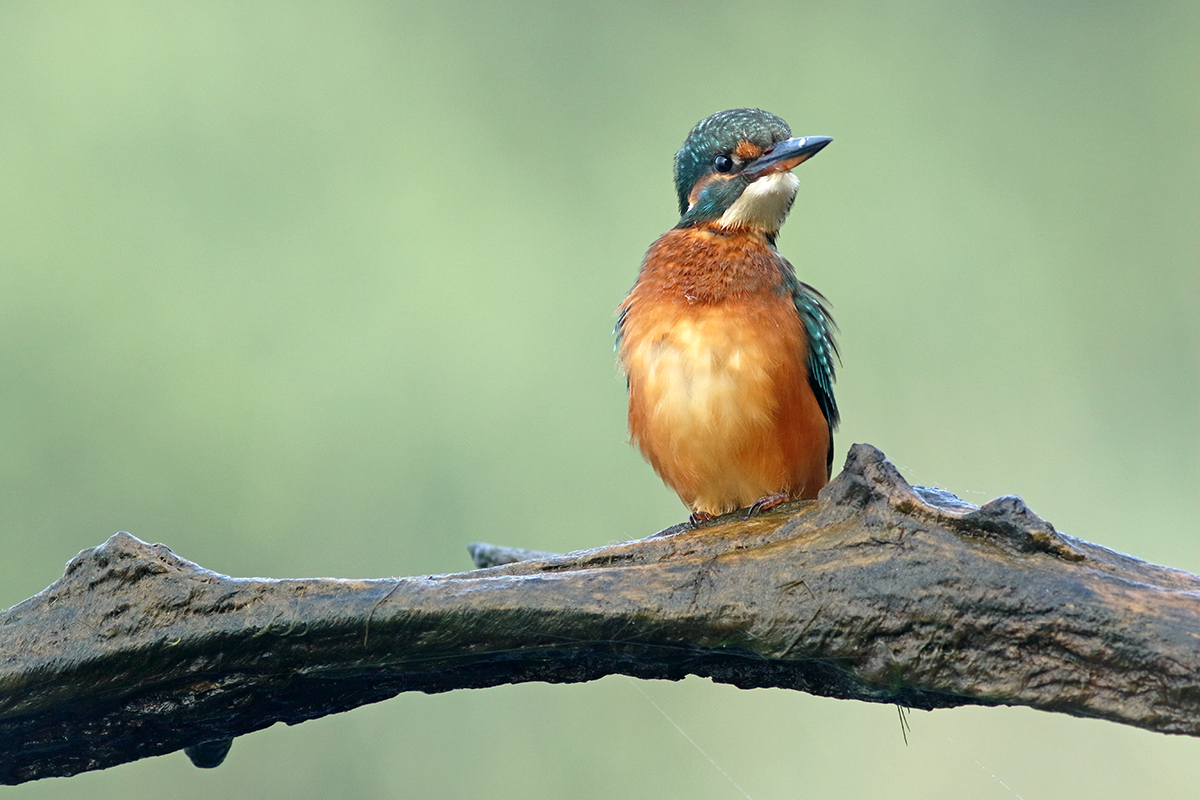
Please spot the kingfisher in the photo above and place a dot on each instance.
(728, 357)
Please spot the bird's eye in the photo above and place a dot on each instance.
(723, 163)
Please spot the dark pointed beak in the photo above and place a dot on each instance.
(786, 155)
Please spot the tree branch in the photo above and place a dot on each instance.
(877, 591)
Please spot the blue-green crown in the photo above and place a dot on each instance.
(719, 134)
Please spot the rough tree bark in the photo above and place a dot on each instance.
(877, 591)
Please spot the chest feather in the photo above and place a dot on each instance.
(709, 374)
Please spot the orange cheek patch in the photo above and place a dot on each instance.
(747, 151)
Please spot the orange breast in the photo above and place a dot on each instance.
(719, 401)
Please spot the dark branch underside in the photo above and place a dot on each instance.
(877, 591)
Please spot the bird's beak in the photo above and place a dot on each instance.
(786, 155)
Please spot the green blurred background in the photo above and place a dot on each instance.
(326, 289)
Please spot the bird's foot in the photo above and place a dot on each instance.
(764, 503)
(698, 517)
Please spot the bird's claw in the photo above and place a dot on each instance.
(768, 502)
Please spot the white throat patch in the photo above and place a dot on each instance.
(764, 203)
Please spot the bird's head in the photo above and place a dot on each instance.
(734, 170)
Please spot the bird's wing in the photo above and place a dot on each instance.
(822, 349)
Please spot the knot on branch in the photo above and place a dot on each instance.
(1011, 523)
(123, 560)
(868, 479)
(871, 484)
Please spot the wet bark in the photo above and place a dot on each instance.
(877, 591)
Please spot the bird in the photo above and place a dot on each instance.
(728, 357)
